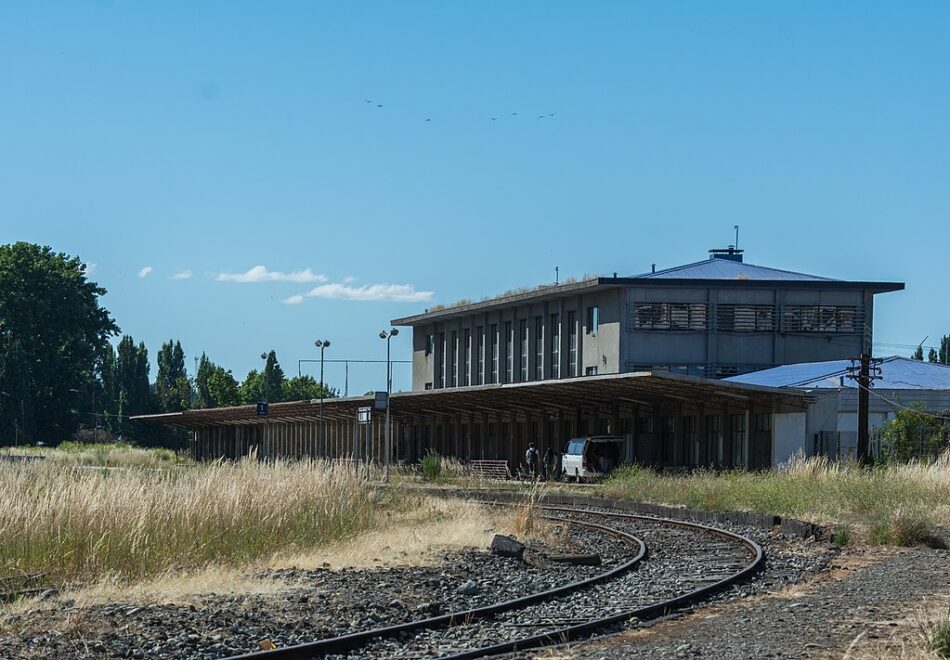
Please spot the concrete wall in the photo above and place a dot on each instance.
(788, 436)
(594, 349)
(620, 345)
(707, 351)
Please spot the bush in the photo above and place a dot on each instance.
(909, 528)
(431, 466)
(841, 537)
(914, 434)
(940, 641)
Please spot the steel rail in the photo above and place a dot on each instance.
(347, 642)
(654, 610)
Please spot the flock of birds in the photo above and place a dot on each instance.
(550, 115)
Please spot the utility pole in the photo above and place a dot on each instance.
(865, 372)
(864, 404)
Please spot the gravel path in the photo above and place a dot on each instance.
(317, 604)
(864, 595)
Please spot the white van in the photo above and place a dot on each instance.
(592, 457)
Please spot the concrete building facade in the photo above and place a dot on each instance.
(715, 318)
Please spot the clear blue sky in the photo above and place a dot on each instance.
(215, 137)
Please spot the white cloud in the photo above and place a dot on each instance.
(381, 292)
(261, 274)
(145, 271)
(293, 300)
(182, 275)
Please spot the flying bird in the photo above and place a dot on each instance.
(514, 114)
(379, 105)
(367, 100)
(552, 114)
(541, 116)
(493, 118)
(428, 119)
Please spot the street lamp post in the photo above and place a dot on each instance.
(389, 389)
(267, 405)
(322, 344)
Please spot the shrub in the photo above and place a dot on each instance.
(431, 466)
(909, 528)
(940, 641)
(841, 537)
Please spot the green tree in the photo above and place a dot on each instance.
(223, 388)
(303, 388)
(202, 396)
(107, 393)
(52, 329)
(216, 386)
(252, 389)
(932, 356)
(275, 377)
(943, 356)
(918, 354)
(171, 384)
(914, 433)
(133, 389)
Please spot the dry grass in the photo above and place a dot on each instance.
(923, 634)
(84, 524)
(415, 537)
(104, 455)
(887, 504)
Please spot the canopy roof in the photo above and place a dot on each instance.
(566, 395)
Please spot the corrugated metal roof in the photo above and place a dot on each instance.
(725, 269)
(897, 373)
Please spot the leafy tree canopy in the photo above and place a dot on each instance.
(52, 332)
(302, 388)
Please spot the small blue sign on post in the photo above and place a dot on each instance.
(261, 409)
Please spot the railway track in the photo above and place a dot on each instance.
(670, 564)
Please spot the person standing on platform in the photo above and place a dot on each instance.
(532, 459)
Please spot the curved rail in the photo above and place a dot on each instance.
(346, 642)
(654, 610)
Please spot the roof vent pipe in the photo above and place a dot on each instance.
(653, 269)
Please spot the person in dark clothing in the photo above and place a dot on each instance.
(550, 464)
(532, 459)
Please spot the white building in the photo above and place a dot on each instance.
(830, 425)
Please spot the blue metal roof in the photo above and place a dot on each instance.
(897, 373)
(726, 269)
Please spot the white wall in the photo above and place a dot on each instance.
(788, 436)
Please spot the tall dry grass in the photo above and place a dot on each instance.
(102, 454)
(882, 503)
(79, 524)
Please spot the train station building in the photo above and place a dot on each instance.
(640, 357)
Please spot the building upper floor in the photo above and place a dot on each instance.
(715, 318)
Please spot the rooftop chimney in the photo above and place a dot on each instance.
(729, 254)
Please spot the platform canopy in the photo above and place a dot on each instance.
(567, 396)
